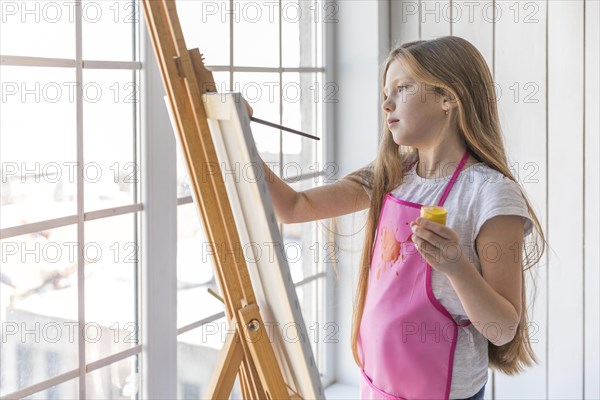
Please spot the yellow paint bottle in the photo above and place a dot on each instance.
(434, 213)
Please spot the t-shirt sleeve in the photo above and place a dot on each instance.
(501, 197)
(362, 176)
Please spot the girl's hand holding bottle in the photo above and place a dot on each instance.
(438, 244)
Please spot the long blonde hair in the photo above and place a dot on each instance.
(453, 67)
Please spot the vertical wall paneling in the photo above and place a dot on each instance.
(565, 199)
(383, 49)
(474, 21)
(544, 55)
(592, 201)
(435, 18)
(520, 76)
(359, 34)
(159, 219)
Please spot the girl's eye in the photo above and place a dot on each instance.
(399, 87)
(399, 90)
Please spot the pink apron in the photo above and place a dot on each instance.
(407, 338)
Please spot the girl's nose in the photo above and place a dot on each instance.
(387, 105)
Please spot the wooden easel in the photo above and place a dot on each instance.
(248, 352)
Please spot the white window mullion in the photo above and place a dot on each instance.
(159, 234)
(22, 61)
(325, 152)
(80, 199)
(130, 65)
(241, 68)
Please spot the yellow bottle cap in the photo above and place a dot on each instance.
(434, 213)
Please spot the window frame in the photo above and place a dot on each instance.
(156, 204)
(78, 64)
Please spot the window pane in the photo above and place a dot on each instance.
(110, 171)
(107, 29)
(65, 391)
(120, 380)
(302, 108)
(110, 255)
(291, 21)
(303, 251)
(222, 81)
(303, 98)
(302, 25)
(37, 184)
(327, 15)
(38, 28)
(255, 33)
(262, 92)
(195, 269)
(297, 252)
(38, 307)
(197, 354)
(202, 22)
(319, 331)
(183, 180)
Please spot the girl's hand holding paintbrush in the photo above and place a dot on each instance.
(250, 110)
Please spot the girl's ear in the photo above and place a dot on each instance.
(449, 102)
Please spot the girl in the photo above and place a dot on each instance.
(436, 305)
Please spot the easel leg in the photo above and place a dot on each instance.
(249, 389)
(265, 365)
(243, 385)
(254, 385)
(230, 359)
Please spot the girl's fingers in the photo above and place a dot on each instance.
(432, 237)
(430, 253)
(423, 245)
(441, 230)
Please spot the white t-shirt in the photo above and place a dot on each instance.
(478, 194)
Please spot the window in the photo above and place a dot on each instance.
(191, 391)
(73, 134)
(272, 53)
(69, 209)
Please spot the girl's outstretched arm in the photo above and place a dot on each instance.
(330, 200)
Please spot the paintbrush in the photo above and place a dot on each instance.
(283, 128)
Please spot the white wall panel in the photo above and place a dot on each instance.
(544, 55)
(520, 75)
(591, 354)
(565, 199)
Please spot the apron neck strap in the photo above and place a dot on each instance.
(454, 177)
(410, 165)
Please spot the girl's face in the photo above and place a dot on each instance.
(414, 113)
